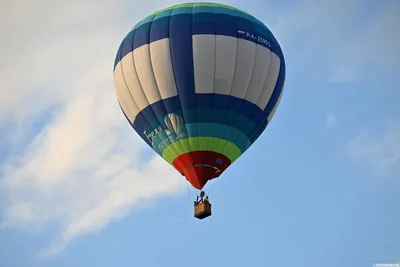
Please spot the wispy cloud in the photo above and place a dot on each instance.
(380, 150)
(83, 166)
(83, 170)
(330, 121)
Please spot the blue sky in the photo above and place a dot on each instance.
(320, 187)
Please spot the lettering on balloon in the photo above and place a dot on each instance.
(169, 140)
(164, 143)
(153, 134)
(254, 37)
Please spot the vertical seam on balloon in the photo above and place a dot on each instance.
(118, 88)
(222, 144)
(141, 88)
(263, 91)
(151, 107)
(282, 69)
(242, 101)
(276, 104)
(173, 72)
(255, 122)
(133, 99)
(218, 130)
(129, 91)
(195, 95)
(256, 133)
(257, 126)
(122, 99)
(144, 94)
(183, 112)
(266, 75)
(158, 91)
(194, 88)
(213, 94)
(279, 87)
(220, 126)
(267, 119)
(199, 125)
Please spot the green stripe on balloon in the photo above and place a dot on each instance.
(217, 145)
(209, 130)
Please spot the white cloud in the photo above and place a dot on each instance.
(380, 151)
(83, 170)
(84, 167)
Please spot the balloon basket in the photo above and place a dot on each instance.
(202, 210)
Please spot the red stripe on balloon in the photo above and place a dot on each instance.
(201, 166)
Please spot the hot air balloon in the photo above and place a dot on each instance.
(199, 82)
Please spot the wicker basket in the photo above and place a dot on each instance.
(202, 210)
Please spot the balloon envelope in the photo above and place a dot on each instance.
(199, 83)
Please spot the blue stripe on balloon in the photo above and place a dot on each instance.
(141, 36)
(204, 101)
(200, 23)
(150, 117)
(182, 58)
(180, 30)
(127, 45)
(160, 28)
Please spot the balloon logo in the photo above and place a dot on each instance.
(174, 122)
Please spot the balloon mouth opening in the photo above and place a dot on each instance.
(201, 166)
(199, 181)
